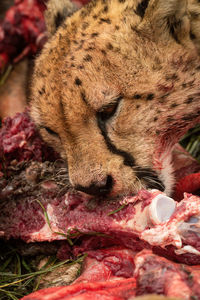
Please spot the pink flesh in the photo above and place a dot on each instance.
(103, 277)
(115, 273)
(111, 290)
(131, 226)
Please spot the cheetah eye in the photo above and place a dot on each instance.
(50, 131)
(109, 110)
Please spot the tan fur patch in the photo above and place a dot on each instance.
(146, 65)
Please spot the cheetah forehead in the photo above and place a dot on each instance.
(110, 45)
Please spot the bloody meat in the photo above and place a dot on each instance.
(54, 212)
(37, 203)
(120, 274)
(20, 141)
(22, 32)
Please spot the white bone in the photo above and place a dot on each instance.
(161, 209)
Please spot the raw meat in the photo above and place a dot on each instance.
(88, 291)
(183, 163)
(41, 189)
(38, 204)
(20, 141)
(118, 273)
(158, 275)
(187, 173)
(189, 184)
(150, 219)
(22, 32)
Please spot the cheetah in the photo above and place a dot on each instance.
(115, 88)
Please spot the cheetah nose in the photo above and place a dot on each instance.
(100, 188)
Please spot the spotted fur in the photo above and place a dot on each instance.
(115, 88)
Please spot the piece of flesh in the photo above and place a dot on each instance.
(117, 273)
(51, 212)
(37, 204)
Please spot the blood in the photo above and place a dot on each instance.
(189, 184)
(22, 31)
(149, 274)
(145, 197)
(120, 265)
(26, 218)
(20, 141)
(91, 224)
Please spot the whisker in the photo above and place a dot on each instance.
(154, 183)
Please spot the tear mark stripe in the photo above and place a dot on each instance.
(149, 176)
(128, 159)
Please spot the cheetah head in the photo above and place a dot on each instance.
(114, 89)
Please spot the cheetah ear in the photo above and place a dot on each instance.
(165, 19)
(57, 11)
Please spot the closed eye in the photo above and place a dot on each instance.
(109, 110)
(50, 131)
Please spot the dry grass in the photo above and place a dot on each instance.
(18, 274)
